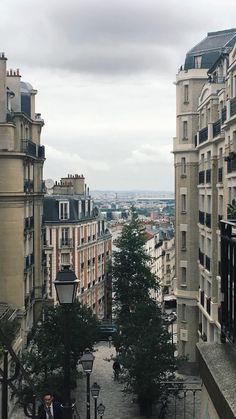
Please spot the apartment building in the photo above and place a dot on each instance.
(21, 197)
(205, 183)
(77, 236)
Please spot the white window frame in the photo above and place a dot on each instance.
(64, 210)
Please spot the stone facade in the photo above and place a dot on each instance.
(76, 236)
(205, 183)
(21, 197)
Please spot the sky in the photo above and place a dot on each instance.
(105, 72)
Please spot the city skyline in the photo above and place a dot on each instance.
(105, 78)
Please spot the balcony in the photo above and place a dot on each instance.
(29, 147)
(203, 135)
(208, 305)
(231, 165)
(220, 174)
(208, 220)
(216, 128)
(223, 115)
(28, 186)
(202, 298)
(208, 176)
(207, 263)
(201, 257)
(201, 217)
(66, 242)
(233, 106)
(201, 177)
(41, 152)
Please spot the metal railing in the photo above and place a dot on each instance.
(233, 106)
(216, 128)
(203, 135)
(201, 177)
(208, 220)
(208, 176)
(220, 174)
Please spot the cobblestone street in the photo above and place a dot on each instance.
(118, 405)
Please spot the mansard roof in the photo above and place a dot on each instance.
(210, 48)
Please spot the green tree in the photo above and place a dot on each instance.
(142, 339)
(232, 210)
(45, 358)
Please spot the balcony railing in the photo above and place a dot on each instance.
(201, 217)
(208, 220)
(223, 115)
(28, 186)
(28, 147)
(65, 242)
(208, 305)
(201, 257)
(231, 165)
(207, 263)
(201, 177)
(216, 128)
(203, 135)
(208, 176)
(41, 152)
(202, 298)
(220, 174)
(233, 106)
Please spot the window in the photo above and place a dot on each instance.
(184, 312)
(186, 93)
(65, 259)
(183, 275)
(183, 240)
(183, 166)
(183, 203)
(65, 236)
(185, 130)
(64, 210)
(197, 61)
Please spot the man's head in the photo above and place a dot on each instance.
(48, 399)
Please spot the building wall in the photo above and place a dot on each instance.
(21, 163)
(87, 249)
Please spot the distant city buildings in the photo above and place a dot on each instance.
(77, 237)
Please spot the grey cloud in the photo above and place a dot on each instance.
(99, 36)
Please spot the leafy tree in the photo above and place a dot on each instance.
(45, 359)
(142, 339)
(232, 210)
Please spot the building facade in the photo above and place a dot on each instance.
(21, 197)
(76, 236)
(204, 183)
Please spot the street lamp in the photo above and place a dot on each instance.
(87, 363)
(95, 393)
(101, 410)
(66, 285)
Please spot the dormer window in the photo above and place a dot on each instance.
(197, 61)
(64, 210)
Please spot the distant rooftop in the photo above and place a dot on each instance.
(210, 48)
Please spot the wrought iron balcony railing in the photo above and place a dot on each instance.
(203, 135)
(208, 220)
(216, 128)
(233, 106)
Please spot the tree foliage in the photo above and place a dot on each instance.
(232, 210)
(142, 339)
(45, 358)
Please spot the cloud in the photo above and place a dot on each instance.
(148, 153)
(102, 37)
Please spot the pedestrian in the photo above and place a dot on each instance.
(49, 409)
(116, 369)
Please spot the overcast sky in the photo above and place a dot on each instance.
(104, 71)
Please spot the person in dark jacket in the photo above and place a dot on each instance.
(50, 409)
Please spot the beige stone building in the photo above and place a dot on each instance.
(21, 197)
(205, 183)
(77, 236)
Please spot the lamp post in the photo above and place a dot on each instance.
(101, 410)
(95, 393)
(66, 285)
(87, 364)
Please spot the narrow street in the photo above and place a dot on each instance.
(118, 405)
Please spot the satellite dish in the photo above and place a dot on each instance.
(49, 183)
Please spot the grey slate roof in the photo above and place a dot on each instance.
(210, 48)
(51, 205)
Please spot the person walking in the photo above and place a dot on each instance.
(50, 409)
